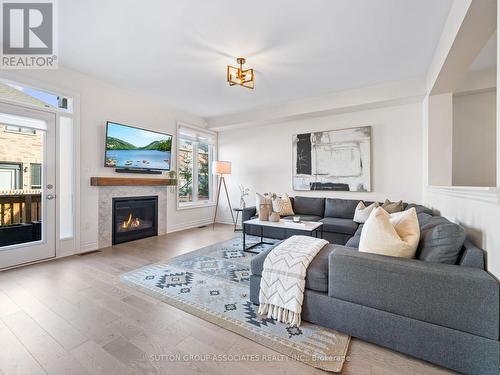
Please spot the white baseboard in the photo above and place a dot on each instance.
(83, 249)
(170, 229)
(88, 247)
(225, 220)
(184, 226)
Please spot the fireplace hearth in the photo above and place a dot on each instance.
(134, 218)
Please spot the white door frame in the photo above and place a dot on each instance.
(15, 255)
(64, 247)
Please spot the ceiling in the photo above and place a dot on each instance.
(179, 49)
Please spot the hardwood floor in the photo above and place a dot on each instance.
(74, 316)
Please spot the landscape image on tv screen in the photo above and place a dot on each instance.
(129, 147)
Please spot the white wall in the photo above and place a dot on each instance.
(474, 139)
(262, 156)
(100, 102)
(370, 97)
(440, 121)
(481, 220)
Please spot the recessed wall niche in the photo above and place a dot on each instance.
(462, 108)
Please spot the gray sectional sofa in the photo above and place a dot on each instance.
(335, 214)
(442, 307)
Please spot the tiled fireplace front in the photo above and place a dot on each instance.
(108, 224)
(134, 218)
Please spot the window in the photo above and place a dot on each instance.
(11, 177)
(194, 157)
(39, 98)
(66, 178)
(36, 175)
(203, 171)
(185, 171)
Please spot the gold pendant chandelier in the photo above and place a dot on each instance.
(239, 76)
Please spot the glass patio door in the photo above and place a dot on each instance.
(27, 185)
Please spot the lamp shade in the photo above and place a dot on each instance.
(221, 167)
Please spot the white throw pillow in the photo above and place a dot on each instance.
(261, 199)
(395, 234)
(283, 205)
(362, 212)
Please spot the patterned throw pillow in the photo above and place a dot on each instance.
(362, 212)
(283, 205)
(392, 207)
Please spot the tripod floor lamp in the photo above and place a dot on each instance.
(221, 168)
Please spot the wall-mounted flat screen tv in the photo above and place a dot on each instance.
(136, 148)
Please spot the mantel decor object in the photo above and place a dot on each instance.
(172, 175)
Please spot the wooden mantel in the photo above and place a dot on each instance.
(127, 181)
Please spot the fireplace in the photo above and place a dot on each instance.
(134, 218)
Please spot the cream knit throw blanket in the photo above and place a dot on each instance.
(283, 278)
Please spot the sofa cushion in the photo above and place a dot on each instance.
(257, 262)
(342, 208)
(309, 206)
(394, 234)
(353, 242)
(471, 256)
(316, 274)
(420, 209)
(304, 217)
(393, 207)
(338, 225)
(423, 219)
(283, 205)
(359, 230)
(441, 240)
(363, 211)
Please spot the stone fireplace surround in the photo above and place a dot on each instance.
(106, 195)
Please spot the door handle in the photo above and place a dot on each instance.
(50, 196)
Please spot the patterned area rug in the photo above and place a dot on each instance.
(213, 284)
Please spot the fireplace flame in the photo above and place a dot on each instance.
(131, 222)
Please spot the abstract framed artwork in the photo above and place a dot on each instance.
(335, 160)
